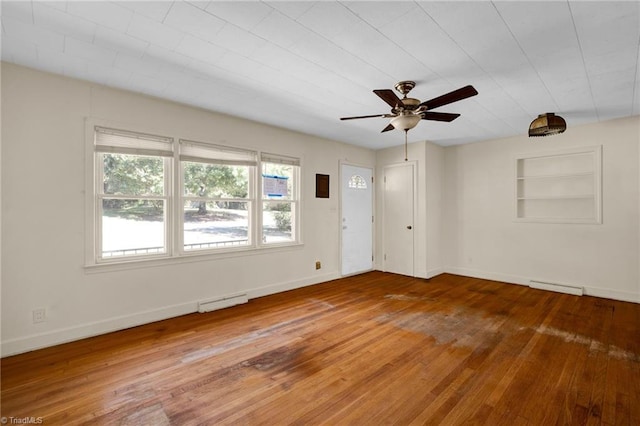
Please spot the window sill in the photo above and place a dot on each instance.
(189, 257)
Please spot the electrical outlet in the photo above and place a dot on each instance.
(318, 265)
(39, 315)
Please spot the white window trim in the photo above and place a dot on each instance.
(174, 230)
(296, 200)
(168, 195)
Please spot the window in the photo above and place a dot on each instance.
(218, 196)
(357, 182)
(132, 193)
(153, 198)
(280, 176)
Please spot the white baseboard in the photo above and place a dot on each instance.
(623, 296)
(222, 302)
(515, 279)
(434, 272)
(486, 275)
(290, 285)
(65, 335)
(56, 337)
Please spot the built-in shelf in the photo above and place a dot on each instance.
(559, 187)
(558, 197)
(556, 176)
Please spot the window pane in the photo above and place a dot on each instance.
(133, 175)
(215, 224)
(276, 222)
(357, 182)
(277, 181)
(132, 227)
(215, 180)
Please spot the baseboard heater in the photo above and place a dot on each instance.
(560, 288)
(222, 302)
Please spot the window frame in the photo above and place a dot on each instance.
(150, 145)
(218, 155)
(294, 198)
(174, 198)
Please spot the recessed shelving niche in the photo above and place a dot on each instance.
(559, 187)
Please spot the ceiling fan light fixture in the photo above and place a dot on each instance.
(406, 121)
(547, 124)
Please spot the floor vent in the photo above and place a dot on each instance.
(223, 302)
(560, 288)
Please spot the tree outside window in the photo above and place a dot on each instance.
(216, 205)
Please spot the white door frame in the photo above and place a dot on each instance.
(373, 204)
(414, 165)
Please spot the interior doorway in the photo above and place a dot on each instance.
(398, 219)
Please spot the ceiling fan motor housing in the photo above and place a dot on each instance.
(410, 103)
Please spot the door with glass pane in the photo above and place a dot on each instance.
(357, 218)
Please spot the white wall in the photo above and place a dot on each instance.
(434, 207)
(43, 213)
(483, 240)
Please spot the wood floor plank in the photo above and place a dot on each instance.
(375, 348)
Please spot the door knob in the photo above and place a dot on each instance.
(409, 227)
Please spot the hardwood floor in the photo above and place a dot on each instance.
(371, 349)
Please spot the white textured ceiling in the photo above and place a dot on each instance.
(302, 65)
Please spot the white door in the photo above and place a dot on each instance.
(398, 227)
(357, 217)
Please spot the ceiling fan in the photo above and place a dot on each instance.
(406, 113)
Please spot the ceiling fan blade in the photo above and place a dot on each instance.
(364, 116)
(456, 95)
(386, 129)
(389, 97)
(439, 116)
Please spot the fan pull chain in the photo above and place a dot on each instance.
(406, 157)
